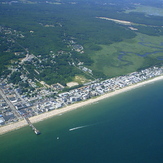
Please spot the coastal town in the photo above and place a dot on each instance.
(81, 81)
(14, 105)
(33, 84)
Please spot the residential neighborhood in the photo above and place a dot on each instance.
(13, 104)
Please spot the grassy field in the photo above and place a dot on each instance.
(123, 57)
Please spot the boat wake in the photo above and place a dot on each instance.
(76, 128)
(80, 127)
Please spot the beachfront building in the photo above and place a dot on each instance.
(31, 106)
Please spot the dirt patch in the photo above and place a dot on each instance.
(72, 84)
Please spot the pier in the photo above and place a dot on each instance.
(37, 132)
(17, 113)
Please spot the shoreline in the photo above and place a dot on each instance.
(46, 115)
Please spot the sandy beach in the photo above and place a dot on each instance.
(41, 117)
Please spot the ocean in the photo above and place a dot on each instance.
(126, 128)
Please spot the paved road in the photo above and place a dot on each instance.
(10, 104)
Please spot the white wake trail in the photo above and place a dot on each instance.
(79, 127)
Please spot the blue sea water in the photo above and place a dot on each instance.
(126, 128)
